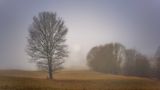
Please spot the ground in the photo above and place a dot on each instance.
(73, 80)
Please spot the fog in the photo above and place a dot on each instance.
(134, 23)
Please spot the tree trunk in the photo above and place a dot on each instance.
(50, 73)
(50, 68)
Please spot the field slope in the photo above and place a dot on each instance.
(72, 80)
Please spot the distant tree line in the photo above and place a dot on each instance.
(114, 58)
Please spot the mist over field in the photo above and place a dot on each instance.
(79, 45)
(134, 24)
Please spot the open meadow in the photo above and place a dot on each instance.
(73, 80)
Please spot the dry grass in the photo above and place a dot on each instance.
(73, 80)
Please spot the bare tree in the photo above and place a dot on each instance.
(46, 42)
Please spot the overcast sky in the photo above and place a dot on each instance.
(134, 23)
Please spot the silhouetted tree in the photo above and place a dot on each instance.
(129, 66)
(116, 59)
(46, 42)
(106, 58)
(136, 64)
(157, 67)
(142, 65)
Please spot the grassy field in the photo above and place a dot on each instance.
(72, 80)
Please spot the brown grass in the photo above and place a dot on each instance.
(73, 80)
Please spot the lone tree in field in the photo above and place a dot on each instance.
(46, 42)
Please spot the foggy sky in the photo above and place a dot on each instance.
(134, 23)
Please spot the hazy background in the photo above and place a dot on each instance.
(134, 23)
